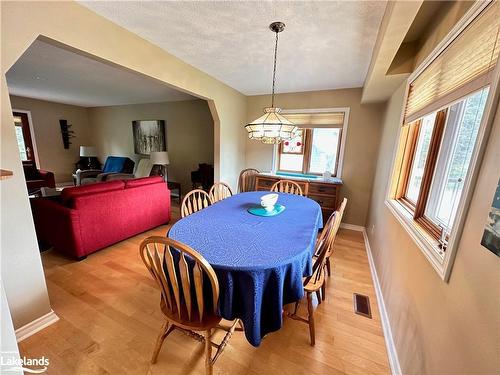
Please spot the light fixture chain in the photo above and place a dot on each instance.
(274, 69)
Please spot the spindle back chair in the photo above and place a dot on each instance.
(287, 186)
(189, 294)
(195, 201)
(219, 191)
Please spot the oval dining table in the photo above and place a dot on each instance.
(259, 261)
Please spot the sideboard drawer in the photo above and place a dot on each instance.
(325, 201)
(265, 183)
(326, 189)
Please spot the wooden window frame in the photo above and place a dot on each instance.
(410, 140)
(442, 262)
(307, 138)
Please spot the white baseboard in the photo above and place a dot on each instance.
(389, 340)
(357, 228)
(36, 325)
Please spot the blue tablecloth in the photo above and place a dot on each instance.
(259, 261)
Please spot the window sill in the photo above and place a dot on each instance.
(426, 243)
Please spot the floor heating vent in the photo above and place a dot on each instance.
(362, 305)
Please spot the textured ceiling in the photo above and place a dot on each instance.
(326, 44)
(52, 73)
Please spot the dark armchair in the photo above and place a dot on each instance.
(113, 164)
(38, 178)
(204, 176)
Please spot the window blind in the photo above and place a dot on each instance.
(316, 120)
(462, 68)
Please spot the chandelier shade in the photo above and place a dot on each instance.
(272, 127)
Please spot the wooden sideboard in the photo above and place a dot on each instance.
(326, 193)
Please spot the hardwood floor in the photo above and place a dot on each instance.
(109, 313)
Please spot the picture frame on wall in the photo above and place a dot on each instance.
(491, 234)
(149, 136)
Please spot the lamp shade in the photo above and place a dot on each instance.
(159, 158)
(88, 151)
(271, 128)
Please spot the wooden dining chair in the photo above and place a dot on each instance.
(340, 214)
(195, 201)
(219, 191)
(180, 273)
(287, 186)
(314, 284)
(333, 223)
(246, 181)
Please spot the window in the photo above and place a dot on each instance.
(438, 150)
(454, 159)
(324, 150)
(292, 153)
(23, 135)
(426, 126)
(316, 147)
(443, 130)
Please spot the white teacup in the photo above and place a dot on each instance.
(268, 201)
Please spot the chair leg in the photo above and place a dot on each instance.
(328, 270)
(165, 330)
(296, 307)
(310, 311)
(318, 296)
(240, 323)
(208, 352)
(323, 290)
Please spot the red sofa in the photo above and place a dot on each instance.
(87, 218)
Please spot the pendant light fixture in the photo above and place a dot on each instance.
(272, 128)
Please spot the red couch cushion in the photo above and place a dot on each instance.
(143, 181)
(109, 217)
(71, 193)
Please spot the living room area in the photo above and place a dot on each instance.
(80, 121)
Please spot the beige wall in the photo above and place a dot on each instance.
(74, 25)
(52, 155)
(190, 133)
(361, 146)
(450, 12)
(20, 263)
(438, 327)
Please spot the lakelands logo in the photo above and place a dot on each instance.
(10, 363)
